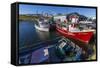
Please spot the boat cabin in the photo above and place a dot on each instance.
(74, 18)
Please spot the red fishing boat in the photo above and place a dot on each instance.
(83, 36)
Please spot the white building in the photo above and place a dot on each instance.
(62, 18)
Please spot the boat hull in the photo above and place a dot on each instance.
(41, 28)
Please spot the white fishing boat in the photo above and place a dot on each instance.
(42, 25)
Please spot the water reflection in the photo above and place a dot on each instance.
(29, 35)
(43, 35)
